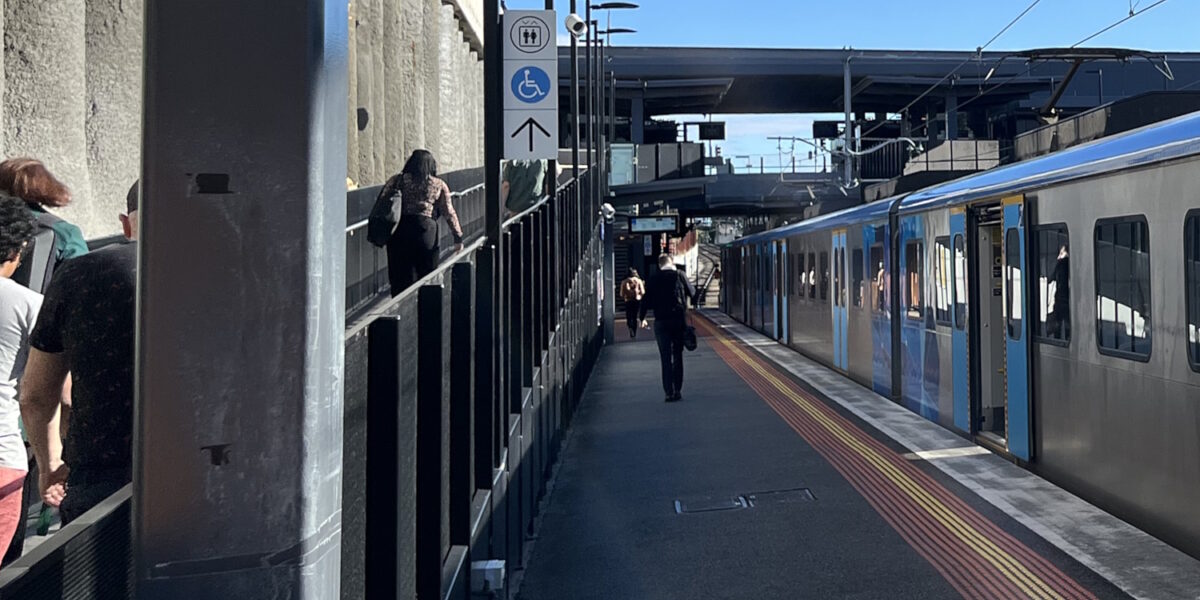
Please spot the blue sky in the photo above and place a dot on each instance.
(890, 24)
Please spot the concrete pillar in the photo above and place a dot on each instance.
(379, 105)
(393, 88)
(449, 93)
(114, 115)
(352, 167)
(430, 77)
(240, 365)
(365, 72)
(45, 95)
(412, 44)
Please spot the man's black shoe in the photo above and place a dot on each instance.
(674, 397)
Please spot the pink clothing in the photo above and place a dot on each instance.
(12, 483)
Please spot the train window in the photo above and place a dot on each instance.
(941, 280)
(824, 282)
(1191, 270)
(1123, 326)
(812, 275)
(960, 283)
(1052, 284)
(839, 267)
(878, 279)
(856, 276)
(801, 275)
(1013, 280)
(914, 280)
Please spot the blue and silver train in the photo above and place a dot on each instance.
(1048, 309)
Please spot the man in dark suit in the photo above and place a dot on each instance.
(667, 294)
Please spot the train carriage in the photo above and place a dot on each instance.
(1049, 310)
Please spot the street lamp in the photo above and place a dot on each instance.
(601, 182)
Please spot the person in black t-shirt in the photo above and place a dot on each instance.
(667, 294)
(86, 330)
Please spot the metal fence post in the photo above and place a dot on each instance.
(391, 460)
(462, 384)
(432, 423)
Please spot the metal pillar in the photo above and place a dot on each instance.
(849, 160)
(951, 116)
(612, 113)
(637, 119)
(239, 364)
(493, 118)
(575, 106)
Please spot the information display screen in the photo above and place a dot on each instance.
(658, 224)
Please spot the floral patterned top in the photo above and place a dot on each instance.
(427, 199)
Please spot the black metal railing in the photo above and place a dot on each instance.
(457, 395)
(458, 392)
(366, 264)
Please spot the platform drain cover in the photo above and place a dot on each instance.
(789, 496)
(704, 505)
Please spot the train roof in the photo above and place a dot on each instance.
(863, 213)
(1157, 142)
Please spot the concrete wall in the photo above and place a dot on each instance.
(71, 92)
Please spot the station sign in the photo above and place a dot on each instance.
(530, 85)
(656, 224)
(712, 130)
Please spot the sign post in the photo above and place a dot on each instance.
(530, 85)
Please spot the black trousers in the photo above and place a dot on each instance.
(85, 490)
(669, 335)
(631, 315)
(412, 251)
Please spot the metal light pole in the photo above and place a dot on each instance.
(849, 123)
(575, 106)
(604, 107)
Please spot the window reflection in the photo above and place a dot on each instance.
(1123, 286)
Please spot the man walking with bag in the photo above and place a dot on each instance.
(667, 294)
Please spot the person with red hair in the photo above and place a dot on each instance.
(29, 180)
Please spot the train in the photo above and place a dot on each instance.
(1048, 310)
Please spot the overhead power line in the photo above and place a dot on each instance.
(978, 52)
(1132, 13)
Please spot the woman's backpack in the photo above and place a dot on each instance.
(41, 256)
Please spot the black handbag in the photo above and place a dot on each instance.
(382, 222)
(689, 337)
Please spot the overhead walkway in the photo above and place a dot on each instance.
(777, 478)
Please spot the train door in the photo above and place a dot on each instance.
(987, 327)
(776, 284)
(782, 275)
(958, 320)
(1016, 356)
(840, 350)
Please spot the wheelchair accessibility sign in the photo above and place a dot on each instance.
(530, 84)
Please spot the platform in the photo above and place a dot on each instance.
(777, 478)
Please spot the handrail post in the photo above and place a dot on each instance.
(432, 423)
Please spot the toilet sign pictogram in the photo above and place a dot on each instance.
(531, 90)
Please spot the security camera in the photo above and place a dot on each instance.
(576, 25)
(608, 212)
